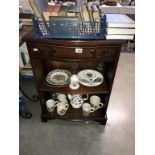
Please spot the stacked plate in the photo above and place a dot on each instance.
(87, 77)
(58, 77)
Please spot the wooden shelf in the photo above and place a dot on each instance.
(103, 88)
(76, 114)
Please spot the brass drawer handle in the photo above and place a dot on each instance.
(93, 52)
(35, 49)
(53, 52)
(105, 51)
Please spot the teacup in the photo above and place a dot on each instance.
(87, 109)
(61, 97)
(50, 104)
(62, 107)
(95, 102)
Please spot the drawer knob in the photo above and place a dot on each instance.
(105, 51)
(54, 51)
(93, 52)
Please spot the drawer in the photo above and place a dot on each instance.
(79, 53)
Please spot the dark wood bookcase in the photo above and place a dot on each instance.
(49, 54)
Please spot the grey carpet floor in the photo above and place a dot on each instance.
(59, 137)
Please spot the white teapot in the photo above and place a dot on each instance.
(77, 100)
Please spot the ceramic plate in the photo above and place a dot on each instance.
(58, 77)
(90, 77)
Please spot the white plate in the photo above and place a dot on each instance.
(90, 77)
(58, 77)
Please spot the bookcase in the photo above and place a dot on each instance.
(48, 54)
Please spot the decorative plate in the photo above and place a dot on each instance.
(58, 77)
(90, 77)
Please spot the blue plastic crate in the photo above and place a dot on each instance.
(69, 29)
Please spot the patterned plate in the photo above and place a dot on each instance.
(90, 77)
(58, 77)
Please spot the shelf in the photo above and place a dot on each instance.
(76, 114)
(103, 88)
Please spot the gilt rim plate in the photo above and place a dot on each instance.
(58, 77)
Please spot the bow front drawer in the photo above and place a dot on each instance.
(78, 52)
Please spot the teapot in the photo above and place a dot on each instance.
(76, 100)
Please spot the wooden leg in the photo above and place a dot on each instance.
(103, 121)
(44, 119)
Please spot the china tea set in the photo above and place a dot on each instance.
(62, 77)
(76, 100)
(61, 104)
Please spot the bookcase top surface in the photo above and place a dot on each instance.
(30, 38)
